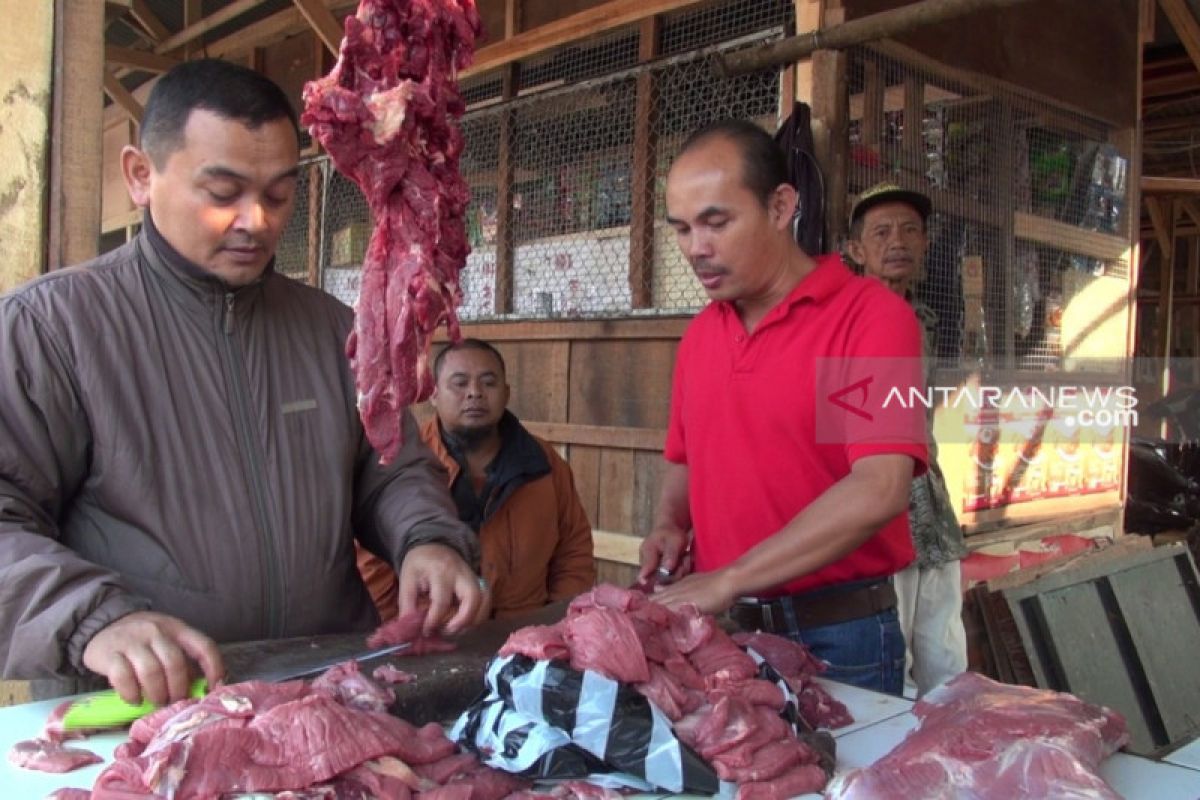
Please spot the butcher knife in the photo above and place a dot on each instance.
(107, 710)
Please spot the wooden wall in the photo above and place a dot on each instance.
(1082, 52)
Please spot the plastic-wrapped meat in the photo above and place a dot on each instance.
(386, 115)
(981, 739)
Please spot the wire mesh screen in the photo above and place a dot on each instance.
(292, 255)
(589, 127)
(1031, 209)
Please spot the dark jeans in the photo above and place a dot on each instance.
(866, 652)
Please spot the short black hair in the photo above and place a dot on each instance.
(764, 166)
(467, 344)
(226, 89)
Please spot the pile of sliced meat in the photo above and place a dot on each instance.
(981, 739)
(700, 678)
(332, 738)
(48, 753)
(386, 115)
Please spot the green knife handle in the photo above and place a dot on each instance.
(108, 710)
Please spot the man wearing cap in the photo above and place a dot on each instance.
(888, 239)
(790, 529)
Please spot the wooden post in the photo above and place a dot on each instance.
(809, 14)
(193, 13)
(505, 238)
(645, 169)
(872, 118)
(913, 145)
(831, 120)
(322, 63)
(76, 141)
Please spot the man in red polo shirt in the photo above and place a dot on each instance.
(787, 474)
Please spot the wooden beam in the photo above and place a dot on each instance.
(1192, 209)
(117, 92)
(622, 548)
(1146, 21)
(872, 118)
(505, 172)
(1170, 84)
(831, 123)
(323, 22)
(138, 59)
(880, 25)
(643, 178)
(599, 435)
(604, 17)
(1155, 185)
(149, 21)
(1184, 22)
(195, 30)
(76, 128)
(914, 116)
(668, 328)
(512, 18)
(276, 27)
(1162, 228)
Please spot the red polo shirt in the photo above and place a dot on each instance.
(744, 418)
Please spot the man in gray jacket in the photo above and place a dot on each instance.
(181, 458)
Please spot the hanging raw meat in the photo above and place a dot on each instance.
(387, 116)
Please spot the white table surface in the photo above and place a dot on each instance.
(881, 721)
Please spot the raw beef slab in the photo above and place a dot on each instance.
(386, 115)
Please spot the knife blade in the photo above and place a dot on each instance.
(107, 710)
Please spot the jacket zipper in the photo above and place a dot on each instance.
(268, 543)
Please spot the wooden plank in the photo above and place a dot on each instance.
(621, 383)
(1051, 232)
(647, 486)
(326, 26)
(1162, 228)
(618, 547)
(1153, 184)
(616, 490)
(830, 123)
(121, 96)
(142, 14)
(195, 29)
(13, 693)
(1090, 661)
(193, 13)
(505, 170)
(657, 328)
(585, 465)
(1184, 22)
(138, 59)
(313, 254)
(76, 140)
(643, 179)
(1165, 592)
(537, 373)
(512, 18)
(1147, 18)
(872, 120)
(616, 574)
(647, 439)
(590, 22)
(914, 116)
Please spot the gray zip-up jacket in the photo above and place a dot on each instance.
(168, 443)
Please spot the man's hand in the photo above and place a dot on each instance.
(436, 575)
(148, 656)
(665, 548)
(711, 592)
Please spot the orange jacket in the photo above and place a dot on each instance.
(535, 549)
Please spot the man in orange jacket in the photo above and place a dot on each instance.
(510, 487)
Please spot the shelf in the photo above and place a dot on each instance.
(1104, 246)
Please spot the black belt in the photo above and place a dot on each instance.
(814, 609)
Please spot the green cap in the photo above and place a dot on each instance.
(888, 192)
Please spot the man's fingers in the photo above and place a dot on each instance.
(410, 594)
(123, 679)
(149, 672)
(650, 555)
(176, 671)
(204, 652)
(440, 598)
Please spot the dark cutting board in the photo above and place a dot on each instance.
(446, 683)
